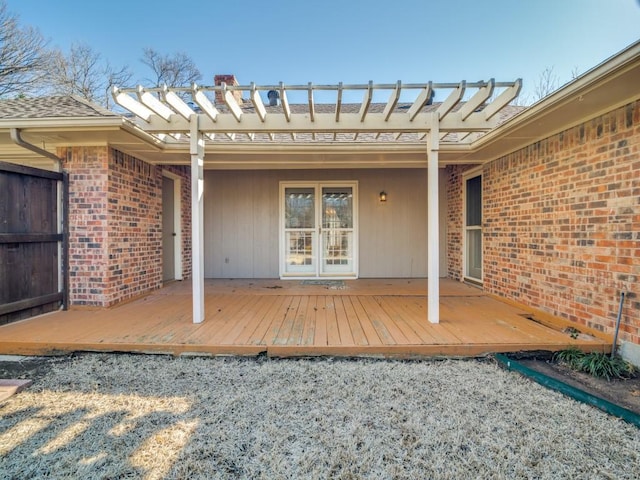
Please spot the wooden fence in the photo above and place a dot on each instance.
(32, 241)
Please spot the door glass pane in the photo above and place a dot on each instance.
(338, 247)
(474, 201)
(299, 207)
(337, 207)
(337, 230)
(299, 250)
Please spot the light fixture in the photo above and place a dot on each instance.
(383, 196)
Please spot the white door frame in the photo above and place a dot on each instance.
(177, 222)
(317, 185)
(469, 174)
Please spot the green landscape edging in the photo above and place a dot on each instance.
(575, 393)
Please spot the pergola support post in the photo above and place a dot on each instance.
(433, 224)
(196, 150)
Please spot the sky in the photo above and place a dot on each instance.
(350, 41)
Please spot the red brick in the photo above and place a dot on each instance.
(568, 244)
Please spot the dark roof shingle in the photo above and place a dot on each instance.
(51, 107)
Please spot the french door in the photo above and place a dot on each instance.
(318, 229)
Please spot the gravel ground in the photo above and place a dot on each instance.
(137, 416)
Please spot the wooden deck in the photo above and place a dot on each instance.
(293, 318)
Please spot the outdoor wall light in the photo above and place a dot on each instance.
(383, 196)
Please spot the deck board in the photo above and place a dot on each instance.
(320, 338)
(384, 317)
(357, 332)
(273, 317)
(333, 331)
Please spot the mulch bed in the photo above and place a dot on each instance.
(622, 392)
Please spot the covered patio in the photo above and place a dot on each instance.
(177, 121)
(302, 318)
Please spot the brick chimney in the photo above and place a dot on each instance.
(231, 81)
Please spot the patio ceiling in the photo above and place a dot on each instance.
(321, 115)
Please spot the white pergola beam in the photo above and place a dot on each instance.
(393, 101)
(150, 101)
(423, 98)
(286, 109)
(452, 100)
(257, 102)
(366, 102)
(338, 103)
(312, 107)
(177, 103)
(324, 123)
(475, 102)
(231, 102)
(128, 102)
(508, 95)
(204, 103)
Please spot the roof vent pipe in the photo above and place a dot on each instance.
(273, 96)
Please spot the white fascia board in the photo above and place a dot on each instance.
(62, 123)
(601, 73)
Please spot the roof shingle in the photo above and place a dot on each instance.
(51, 107)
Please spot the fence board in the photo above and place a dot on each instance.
(29, 242)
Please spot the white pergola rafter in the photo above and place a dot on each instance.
(166, 110)
(190, 115)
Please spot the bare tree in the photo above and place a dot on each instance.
(85, 73)
(575, 72)
(547, 83)
(174, 70)
(23, 56)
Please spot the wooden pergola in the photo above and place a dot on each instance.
(175, 116)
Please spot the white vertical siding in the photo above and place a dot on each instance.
(241, 221)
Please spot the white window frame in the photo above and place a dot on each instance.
(468, 175)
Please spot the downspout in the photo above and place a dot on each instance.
(16, 137)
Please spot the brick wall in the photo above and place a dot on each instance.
(561, 223)
(135, 228)
(88, 230)
(231, 81)
(115, 225)
(455, 220)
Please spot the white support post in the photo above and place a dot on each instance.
(197, 219)
(433, 224)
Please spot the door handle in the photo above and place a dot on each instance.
(173, 234)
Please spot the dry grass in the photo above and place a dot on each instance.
(124, 416)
